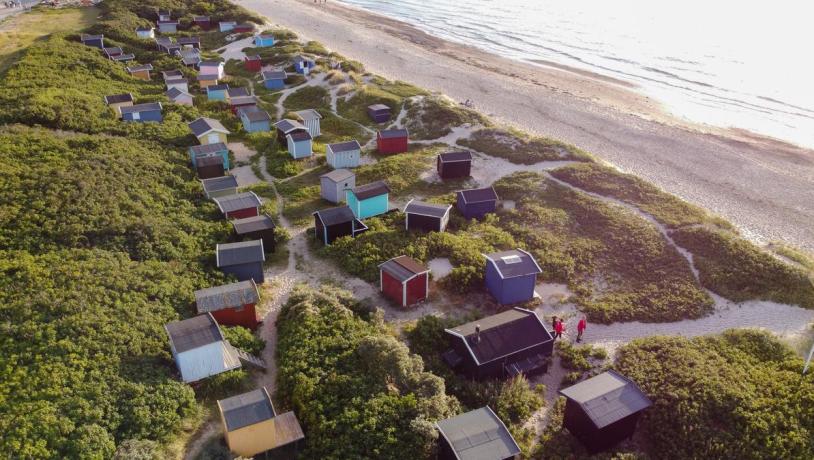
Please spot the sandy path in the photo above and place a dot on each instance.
(716, 172)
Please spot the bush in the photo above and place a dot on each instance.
(243, 339)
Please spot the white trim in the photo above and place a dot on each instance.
(504, 427)
(217, 257)
(262, 251)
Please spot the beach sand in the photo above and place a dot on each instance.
(764, 186)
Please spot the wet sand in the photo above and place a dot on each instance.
(766, 187)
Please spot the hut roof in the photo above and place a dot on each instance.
(146, 107)
(607, 398)
(347, 146)
(215, 184)
(204, 125)
(286, 125)
(253, 57)
(239, 253)
(124, 57)
(334, 216)
(118, 98)
(174, 92)
(112, 50)
(378, 107)
(219, 87)
(86, 37)
(253, 224)
(478, 195)
(370, 190)
(200, 18)
(308, 114)
(189, 40)
(403, 268)
(502, 334)
(246, 409)
(208, 159)
(208, 148)
(238, 92)
(427, 209)
(338, 175)
(193, 333)
(392, 133)
(274, 75)
(172, 74)
(144, 29)
(139, 68)
(514, 263)
(453, 157)
(191, 59)
(230, 295)
(297, 136)
(175, 81)
(238, 201)
(478, 435)
(242, 100)
(256, 115)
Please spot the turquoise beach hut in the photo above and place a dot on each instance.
(217, 148)
(217, 92)
(369, 200)
(263, 40)
(299, 144)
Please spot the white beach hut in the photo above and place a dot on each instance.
(310, 118)
(200, 349)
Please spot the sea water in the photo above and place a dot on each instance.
(726, 63)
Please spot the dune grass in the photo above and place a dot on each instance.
(521, 148)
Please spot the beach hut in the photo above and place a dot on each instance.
(190, 42)
(162, 43)
(219, 186)
(603, 410)
(369, 200)
(179, 96)
(145, 32)
(208, 131)
(237, 92)
(164, 15)
(230, 304)
(239, 205)
(510, 276)
(274, 79)
(117, 101)
(332, 185)
(391, 141)
(190, 58)
(206, 80)
(263, 40)
(205, 149)
(173, 49)
(333, 223)
(404, 280)
(343, 154)
(256, 228)
(199, 348)
(226, 26)
(142, 72)
(180, 83)
(303, 65)
(253, 427)
(504, 345)
(212, 67)
(255, 120)
(299, 144)
(285, 127)
(112, 51)
(173, 74)
(241, 103)
(202, 22)
(253, 63)
(124, 57)
(96, 41)
(244, 27)
(150, 111)
(310, 119)
(209, 165)
(476, 203)
(168, 27)
(454, 165)
(379, 113)
(426, 217)
(476, 435)
(244, 260)
(217, 92)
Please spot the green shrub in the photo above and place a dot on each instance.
(355, 107)
(244, 339)
(521, 148)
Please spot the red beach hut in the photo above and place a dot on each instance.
(404, 280)
(253, 63)
(392, 141)
(231, 304)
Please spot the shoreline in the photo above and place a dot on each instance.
(764, 186)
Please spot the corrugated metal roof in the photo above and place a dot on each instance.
(238, 201)
(393, 133)
(451, 157)
(513, 263)
(193, 333)
(334, 216)
(274, 75)
(286, 126)
(217, 147)
(478, 195)
(239, 253)
(502, 334)
(308, 114)
(478, 435)
(253, 224)
(246, 409)
(147, 107)
(219, 183)
(118, 98)
(338, 175)
(204, 125)
(370, 190)
(403, 268)
(347, 146)
(226, 296)
(427, 209)
(607, 398)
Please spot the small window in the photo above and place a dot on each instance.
(511, 260)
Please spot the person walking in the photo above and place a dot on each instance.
(554, 323)
(559, 329)
(581, 326)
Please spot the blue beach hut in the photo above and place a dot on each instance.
(150, 111)
(255, 120)
(263, 40)
(96, 41)
(218, 148)
(244, 260)
(274, 79)
(343, 154)
(303, 65)
(369, 200)
(217, 92)
(299, 144)
(476, 203)
(511, 276)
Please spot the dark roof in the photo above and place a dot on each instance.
(347, 146)
(239, 253)
(208, 148)
(208, 159)
(219, 183)
(334, 216)
(242, 100)
(427, 209)
(124, 57)
(147, 107)
(478, 195)
(274, 75)
(286, 125)
(172, 74)
(220, 87)
(308, 114)
(118, 98)
(256, 115)
(338, 175)
(163, 41)
(138, 68)
(377, 107)
(85, 37)
(300, 136)
(203, 125)
(171, 21)
(226, 296)
(478, 435)
(392, 133)
(372, 189)
(403, 268)
(238, 201)
(190, 60)
(246, 409)
(188, 40)
(175, 81)
(144, 28)
(451, 157)
(238, 92)
(513, 263)
(193, 333)
(253, 224)
(112, 50)
(502, 334)
(206, 76)
(607, 398)
(174, 92)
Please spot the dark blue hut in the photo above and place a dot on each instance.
(477, 202)
(244, 260)
(511, 275)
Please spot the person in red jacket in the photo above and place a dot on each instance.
(559, 328)
(581, 325)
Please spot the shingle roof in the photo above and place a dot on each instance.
(149, 106)
(502, 334)
(238, 201)
(372, 189)
(478, 435)
(139, 68)
(118, 98)
(238, 92)
(513, 263)
(308, 114)
(193, 333)
(347, 146)
(226, 296)
(220, 87)
(253, 224)
(427, 209)
(286, 125)
(274, 75)
(246, 409)
(174, 92)
(338, 175)
(478, 195)
(208, 159)
(391, 133)
(297, 136)
(334, 216)
(377, 107)
(203, 125)
(256, 115)
(208, 148)
(607, 398)
(451, 157)
(215, 184)
(239, 253)
(403, 268)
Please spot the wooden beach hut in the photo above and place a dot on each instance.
(238, 103)
(180, 83)
(274, 79)
(141, 72)
(244, 27)
(332, 185)
(343, 154)
(369, 200)
(219, 186)
(208, 130)
(205, 149)
(212, 67)
(404, 280)
(239, 205)
(244, 260)
(209, 165)
(390, 141)
(259, 227)
(179, 96)
(190, 42)
(173, 74)
(217, 92)
(168, 27)
(285, 127)
(310, 119)
(141, 113)
(96, 41)
(476, 203)
(252, 427)
(199, 348)
(203, 22)
(454, 165)
(426, 217)
(253, 63)
(226, 26)
(333, 223)
(299, 144)
(476, 435)
(303, 65)
(112, 51)
(117, 101)
(255, 120)
(511, 276)
(379, 113)
(230, 304)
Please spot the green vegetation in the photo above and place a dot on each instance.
(738, 395)
(357, 391)
(244, 339)
(433, 117)
(308, 97)
(521, 148)
(354, 106)
(581, 360)
(302, 196)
